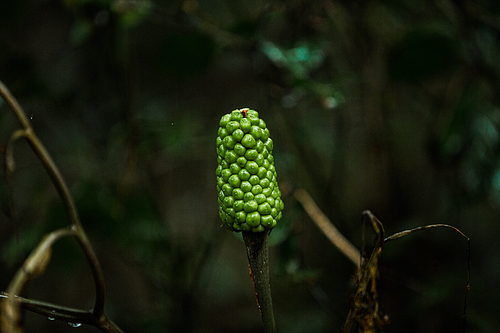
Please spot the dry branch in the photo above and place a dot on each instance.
(327, 227)
(36, 262)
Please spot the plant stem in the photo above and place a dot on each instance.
(258, 264)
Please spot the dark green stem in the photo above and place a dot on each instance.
(258, 264)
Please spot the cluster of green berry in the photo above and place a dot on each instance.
(249, 197)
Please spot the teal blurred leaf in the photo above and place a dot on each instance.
(299, 60)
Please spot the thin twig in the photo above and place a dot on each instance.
(409, 231)
(70, 315)
(327, 227)
(74, 221)
(53, 311)
(440, 225)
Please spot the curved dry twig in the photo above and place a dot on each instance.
(441, 225)
(327, 227)
(75, 228)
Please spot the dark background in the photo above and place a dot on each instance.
(391, 106)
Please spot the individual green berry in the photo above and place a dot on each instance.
(231, 156)
(238, 205)
(266, 220)
(251, 154)
(269, 144)
(250, 206)
(244, 174)
(260, 198)
(254, 119)
(246, 186)
(228, 201)
(264, 183)
(254, 180)
(253, 219)
(260, 146)
(264, 208)
(238, 134)
(241, 217)
(238, 193)
(222, 132)
(259, 160)
(229, 142)
(245, 125)
(248, 194)
(222, 163)
(231, 212)
(241, 161)
(234, 181)
(262, 172)
(256, 132)
(249, 141)
(227, 189)
(236, 115)
(256, 189)
(239, 149)
(232, 126)
(251, 113)
(252, 167)
(225, 174)
(224, 120)
(266, 163)
(234, 168)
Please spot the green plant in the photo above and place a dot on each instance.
(249, 197)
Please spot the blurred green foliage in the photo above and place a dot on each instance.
(391, 106)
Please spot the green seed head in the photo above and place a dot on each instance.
(249, 197)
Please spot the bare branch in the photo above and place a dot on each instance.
(327, 227)
(75, 228)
